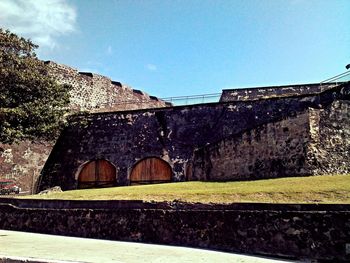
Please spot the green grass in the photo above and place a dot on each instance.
(314, 189)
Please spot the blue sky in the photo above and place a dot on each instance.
(178, 47)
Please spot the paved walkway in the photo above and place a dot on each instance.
(30, 247)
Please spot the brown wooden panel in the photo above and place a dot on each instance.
(88, 173)
(99, 173)
(105, 173)
(150, 170)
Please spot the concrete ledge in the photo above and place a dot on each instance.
(139, 204)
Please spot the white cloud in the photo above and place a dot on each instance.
(151, 67)
(109, 50)
(40, 20)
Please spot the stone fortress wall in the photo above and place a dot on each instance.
(297, 145)
(275, 149)
(91, 92)
(194, 140)
(95, 93)
(292, 135)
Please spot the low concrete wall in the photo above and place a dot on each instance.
(296, 231)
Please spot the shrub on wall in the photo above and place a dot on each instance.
(32, 104)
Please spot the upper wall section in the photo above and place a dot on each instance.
(273, 92)
(96, 93)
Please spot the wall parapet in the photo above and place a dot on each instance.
(97, 93)
(274, 91)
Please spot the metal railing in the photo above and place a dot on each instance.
(215, 97)
(175, 101)
(193, 99)
(338, 79)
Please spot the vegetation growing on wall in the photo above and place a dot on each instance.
(32, 104)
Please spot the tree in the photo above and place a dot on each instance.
(32, 104)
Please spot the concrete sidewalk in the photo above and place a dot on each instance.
(30, 247)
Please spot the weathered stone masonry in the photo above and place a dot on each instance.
(314, 142)
(275, 149)
(318, 232)
(91, 92)
(273, 92)
(245, 139)
(95, 93)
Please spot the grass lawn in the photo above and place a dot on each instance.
(313, 189)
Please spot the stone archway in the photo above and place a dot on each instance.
(150, 170)
(96, 174)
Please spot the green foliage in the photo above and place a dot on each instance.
(32, 104)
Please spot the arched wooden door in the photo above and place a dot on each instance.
(98, 173)
(150, 171)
